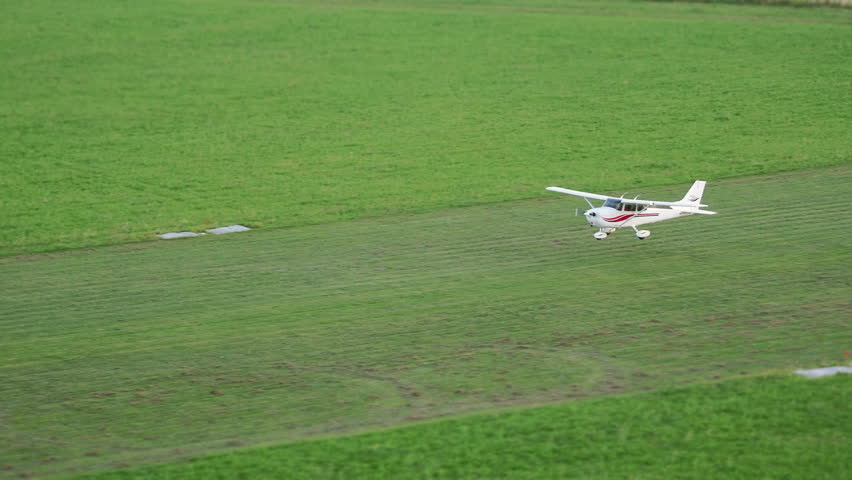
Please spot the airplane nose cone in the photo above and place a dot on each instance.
(589, 213)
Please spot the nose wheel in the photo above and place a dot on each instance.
(600, 235)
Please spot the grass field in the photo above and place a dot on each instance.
(702, 431)
(124, 119)
(158, 351)
(425, 273)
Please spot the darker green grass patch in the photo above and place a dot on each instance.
(786, 3)
(763, 427)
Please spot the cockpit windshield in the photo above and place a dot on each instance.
(612, 203)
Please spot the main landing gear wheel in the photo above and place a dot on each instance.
(600, 235)
(642, 234)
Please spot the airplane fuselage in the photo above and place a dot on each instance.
(611, 218)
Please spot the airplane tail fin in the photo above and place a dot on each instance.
(695, 192)
(693, 196)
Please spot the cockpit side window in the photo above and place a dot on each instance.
(630, 207)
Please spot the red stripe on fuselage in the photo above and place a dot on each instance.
(618, 218)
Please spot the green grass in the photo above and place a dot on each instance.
(152, 352)
(765, 427)
(124, 119)
(791, 3)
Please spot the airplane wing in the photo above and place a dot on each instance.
(578, 193)
(650, 203)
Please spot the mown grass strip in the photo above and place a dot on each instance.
(149, 352)
(763, 427)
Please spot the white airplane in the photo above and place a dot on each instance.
(620, 212)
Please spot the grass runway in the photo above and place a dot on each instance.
(152, 352)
